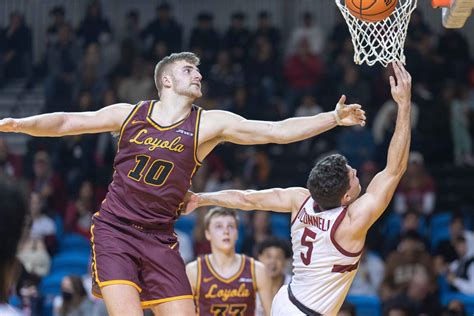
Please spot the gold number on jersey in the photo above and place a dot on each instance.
(232, 309)
(156, 175)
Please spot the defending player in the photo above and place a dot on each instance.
(226, 283)
(157, 156)
(329, 221)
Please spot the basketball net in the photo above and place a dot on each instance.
(380, 41)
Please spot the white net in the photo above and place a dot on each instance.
(379, 41)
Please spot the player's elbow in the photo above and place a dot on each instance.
(247, 201)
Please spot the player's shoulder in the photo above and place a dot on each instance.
(259, 266)
(192, 265)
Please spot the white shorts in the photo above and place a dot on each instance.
(282, 306)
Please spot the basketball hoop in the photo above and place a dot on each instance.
(380, 41)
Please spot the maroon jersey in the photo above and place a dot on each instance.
(218, 296)
(153, 167)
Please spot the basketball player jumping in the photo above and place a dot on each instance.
(329, 220)
(157, 156)
(226, 283)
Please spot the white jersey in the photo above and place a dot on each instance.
(322, 270)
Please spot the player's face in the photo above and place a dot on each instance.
(274, 260)
(354, 185)
(186, 79)
(222, 232)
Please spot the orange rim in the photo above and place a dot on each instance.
(440, 3)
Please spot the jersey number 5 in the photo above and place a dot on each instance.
(306, 258)
(156, 175)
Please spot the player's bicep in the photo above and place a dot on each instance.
(264, 286)
(278, 200)
(107, 119)
(230, 127)
(368, 208)
(191, 272)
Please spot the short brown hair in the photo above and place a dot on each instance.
(219, 211)
(329, 181)
(171, 59)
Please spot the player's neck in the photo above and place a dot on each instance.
(176, 102)
(221, 260)
(165, 112)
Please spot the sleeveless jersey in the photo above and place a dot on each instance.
(322, 270)
(218, 296)
(153, 167)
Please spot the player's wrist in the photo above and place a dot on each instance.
(337, 117)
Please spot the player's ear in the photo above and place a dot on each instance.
(208, 236)
(346, 199)
(166, 80)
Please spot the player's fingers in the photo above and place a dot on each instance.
(342, 100)
(392, 82)
(355, 106)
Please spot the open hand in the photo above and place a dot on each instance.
(349, 114)
(401, 87)
(191, 200)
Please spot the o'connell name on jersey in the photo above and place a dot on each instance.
(153, 167)
(322, 270)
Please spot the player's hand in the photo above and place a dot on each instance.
(8, 125)
(191, 202)
(401, 85)
(349, 114)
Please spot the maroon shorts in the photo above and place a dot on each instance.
(149, 260)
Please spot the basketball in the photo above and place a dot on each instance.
(371, 10)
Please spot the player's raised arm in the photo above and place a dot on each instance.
(278, 200)
(365, 211)
(235, 129)
(108, 119)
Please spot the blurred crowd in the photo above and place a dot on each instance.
(260, 75)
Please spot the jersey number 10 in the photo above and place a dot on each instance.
(156, 175)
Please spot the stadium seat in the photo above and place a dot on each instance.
(74, 242)
(71, 263)
(51, 284)
(186, 224)
(280, 224)
(439, 228)
(392, 226)
(467, 300)
(366, 305)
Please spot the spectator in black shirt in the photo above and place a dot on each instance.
(94, 28)
(237, 38)
(15, 48)
(204, 40)
(164, 28)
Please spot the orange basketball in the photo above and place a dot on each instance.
(371, 10)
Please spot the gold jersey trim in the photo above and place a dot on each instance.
(222, 279)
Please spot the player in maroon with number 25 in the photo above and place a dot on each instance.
(136, 263)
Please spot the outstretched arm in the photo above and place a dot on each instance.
(366, 210)
(233, 128)
(108, 119)
(278, 200)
